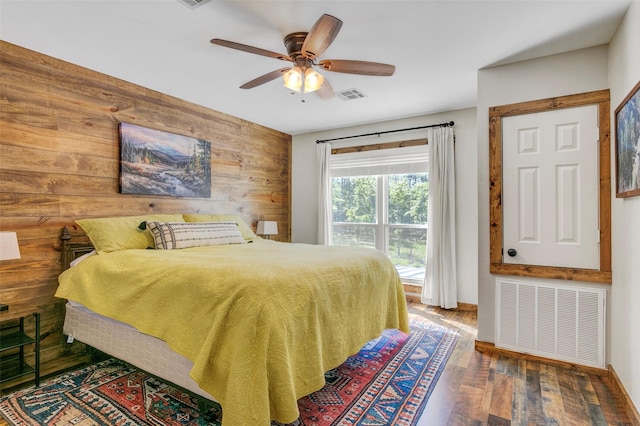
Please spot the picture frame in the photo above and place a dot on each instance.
(627, 125)
(153, 162)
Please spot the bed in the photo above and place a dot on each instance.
(250, 323)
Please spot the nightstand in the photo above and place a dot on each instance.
(13, 339)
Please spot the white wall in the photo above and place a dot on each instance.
(616, 67)
(624, 74)
(558, 75)
(304, 198)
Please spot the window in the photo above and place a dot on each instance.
(379, 200)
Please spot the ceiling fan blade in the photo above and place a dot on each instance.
(250, 49)
(357, 67)
(325, 92)
(264, 78)
(321, 35)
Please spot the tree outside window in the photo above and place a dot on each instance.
(387, 212)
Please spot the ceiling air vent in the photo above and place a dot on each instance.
(194, 3)
(350, 94)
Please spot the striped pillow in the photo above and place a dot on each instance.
(179, 235)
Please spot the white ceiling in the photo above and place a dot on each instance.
(436, 46)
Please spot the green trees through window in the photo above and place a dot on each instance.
(386, 212)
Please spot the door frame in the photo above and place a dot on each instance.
(603, 274)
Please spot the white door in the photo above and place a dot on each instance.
(550, 188)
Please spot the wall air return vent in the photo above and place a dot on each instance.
(555, 321)
(193, 4)
(350, 94)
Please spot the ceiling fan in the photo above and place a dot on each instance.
(303, 51)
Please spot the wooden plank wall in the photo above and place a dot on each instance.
(59, 156)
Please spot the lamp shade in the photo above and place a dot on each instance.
(312, 80)
(9, 248)
(293, 79)
(299, 81)
(267, 227)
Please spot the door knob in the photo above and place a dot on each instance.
(512, 252)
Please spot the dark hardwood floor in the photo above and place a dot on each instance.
(490, 389)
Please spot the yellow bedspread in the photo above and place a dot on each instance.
(262, 322)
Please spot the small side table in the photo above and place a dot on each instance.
(13, 336)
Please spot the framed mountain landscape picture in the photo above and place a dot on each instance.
(154, 162)
(628, 145)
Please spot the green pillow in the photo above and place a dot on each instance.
(245, 230)
(122, 233)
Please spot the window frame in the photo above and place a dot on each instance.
(381, 226)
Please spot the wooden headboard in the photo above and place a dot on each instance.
(72, 250)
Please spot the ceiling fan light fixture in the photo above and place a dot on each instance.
(293, 79)
(312, 80)
(303, 49)
(306, 82)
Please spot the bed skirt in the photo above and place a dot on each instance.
(124, 342)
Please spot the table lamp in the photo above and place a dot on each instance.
(267, 228)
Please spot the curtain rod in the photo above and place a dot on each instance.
(449, 124)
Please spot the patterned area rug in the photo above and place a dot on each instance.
(387, 383)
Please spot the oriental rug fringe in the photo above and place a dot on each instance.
(387, 383)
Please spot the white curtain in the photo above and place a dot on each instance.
(440, 284)
(324, 193)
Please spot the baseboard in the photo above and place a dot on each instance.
(412, 288)
(413, 294)
(487, 347)
(630, 408)
(467, 307)
(413, 298)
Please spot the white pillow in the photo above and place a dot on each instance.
(169, 236)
